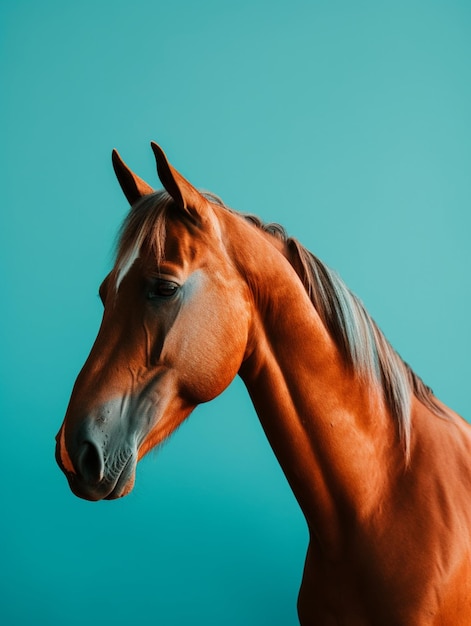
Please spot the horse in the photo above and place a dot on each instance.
(199, 294)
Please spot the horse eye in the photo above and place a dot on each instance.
(162, 289)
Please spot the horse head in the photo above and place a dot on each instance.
(168, 340)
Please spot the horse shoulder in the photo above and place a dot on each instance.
(426, 526)
(410, 563)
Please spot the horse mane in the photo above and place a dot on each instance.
(361, 343)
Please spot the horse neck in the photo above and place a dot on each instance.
(328, 429)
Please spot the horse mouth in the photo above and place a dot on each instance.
(125, 480)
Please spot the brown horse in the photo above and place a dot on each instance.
(380, 468)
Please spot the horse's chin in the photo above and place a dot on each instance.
(125, 482)
(122, 488)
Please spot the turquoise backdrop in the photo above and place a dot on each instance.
(348, 123)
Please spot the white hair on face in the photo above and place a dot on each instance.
(144, 225)
(126, 263)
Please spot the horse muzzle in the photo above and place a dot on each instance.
(94, 468)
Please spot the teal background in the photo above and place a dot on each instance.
(348, 123)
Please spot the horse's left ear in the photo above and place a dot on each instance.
(186, 197)
(132, 185)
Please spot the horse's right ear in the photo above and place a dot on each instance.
(133, 187)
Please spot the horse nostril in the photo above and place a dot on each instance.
(90, 462)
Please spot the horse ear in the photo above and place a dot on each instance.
(133, 187)
(186, 197)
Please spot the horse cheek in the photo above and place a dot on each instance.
(211, 353)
